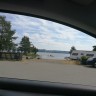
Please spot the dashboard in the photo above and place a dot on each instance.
(19, 87)
(14, 93)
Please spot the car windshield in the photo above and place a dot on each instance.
(37, 49)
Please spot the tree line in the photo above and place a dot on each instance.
(73, 48)
(7, 38)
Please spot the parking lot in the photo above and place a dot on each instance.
(45, 71)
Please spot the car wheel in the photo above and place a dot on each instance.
(94, 65)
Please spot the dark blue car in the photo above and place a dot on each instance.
(91, 61)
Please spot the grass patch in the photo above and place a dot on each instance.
(31, 55)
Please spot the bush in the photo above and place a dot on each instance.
(84, 59)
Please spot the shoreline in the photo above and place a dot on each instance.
(53, 61)
(44, 61)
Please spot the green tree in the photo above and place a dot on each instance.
(94, 48)
(14, 47)
(6, 35)
(72, 49)
(33, 49)
(25, 45)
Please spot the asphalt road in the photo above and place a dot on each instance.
(44, 71)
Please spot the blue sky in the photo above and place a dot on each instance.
(49, 35)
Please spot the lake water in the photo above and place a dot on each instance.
(47, 55)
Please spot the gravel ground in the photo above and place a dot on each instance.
(48, 71)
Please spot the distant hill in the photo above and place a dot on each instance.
(52, 51)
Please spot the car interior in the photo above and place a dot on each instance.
(78, 14)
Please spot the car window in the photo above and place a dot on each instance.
(89, 54)
(37, 49)
(75, 54)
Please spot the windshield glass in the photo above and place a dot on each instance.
(37, 49)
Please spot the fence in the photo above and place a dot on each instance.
(10, 56)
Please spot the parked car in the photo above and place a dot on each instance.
(91, 61)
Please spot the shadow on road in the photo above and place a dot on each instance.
(89, 66)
